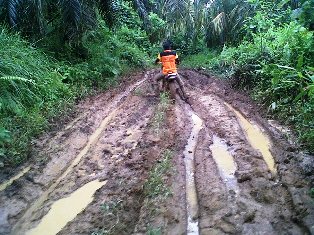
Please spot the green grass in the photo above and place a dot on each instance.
(154, 231)
(37, 89)
(160, 113)
(32, 92)
(112, 212)
(155, 187)
(278, 74)
(202, 60)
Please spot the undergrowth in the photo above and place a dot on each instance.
(275, 65)
(36, 88)
(160, 113)
(155, 188)
(31, 91)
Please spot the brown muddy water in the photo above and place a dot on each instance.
(191, 195)
(93, 139)
(224, 161)
(66, 209)
(4, 185)
(257, 139)
(220, 182)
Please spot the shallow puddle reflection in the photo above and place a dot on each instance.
(191, 196)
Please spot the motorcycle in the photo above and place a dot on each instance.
(170, 83)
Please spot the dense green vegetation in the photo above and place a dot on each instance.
(42, 74)
(54, 53)
(31, 92)
(274, 62)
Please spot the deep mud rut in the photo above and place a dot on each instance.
(231, 171)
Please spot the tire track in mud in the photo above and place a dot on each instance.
(111, 159)
(54, 166)
(189, 159)
(220, 183)
(113, 109)
(262, 203)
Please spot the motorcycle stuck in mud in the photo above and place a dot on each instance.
(171, 85)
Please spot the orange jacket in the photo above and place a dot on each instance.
(169, 60)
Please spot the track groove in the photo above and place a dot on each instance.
(113, 140)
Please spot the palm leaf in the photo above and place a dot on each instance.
(13, 11)
(177, 8)
(15, 78)
(14, 93)
(220, 23)
(71, 17)
(142, 11)
(107, 11)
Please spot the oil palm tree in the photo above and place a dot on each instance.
(72, 17)
(226, 19)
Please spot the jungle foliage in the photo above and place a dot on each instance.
(274, 62)
(46, 67)
(54, 53)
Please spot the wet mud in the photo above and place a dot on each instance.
(232, 171)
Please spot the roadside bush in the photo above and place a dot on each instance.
(277, 67)
(274, 63)
(31, 90)
(35, 88)
(203, 60)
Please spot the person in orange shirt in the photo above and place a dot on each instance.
(169, 60)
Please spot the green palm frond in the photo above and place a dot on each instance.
(15, 93)
(227, 19)
(106, 8)
(14, 7)
(71, 17)
(15, 78)
(143, 13)
(220, 23)
(177, 8)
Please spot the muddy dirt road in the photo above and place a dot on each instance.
(134, 163)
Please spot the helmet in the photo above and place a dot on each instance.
(166, 45)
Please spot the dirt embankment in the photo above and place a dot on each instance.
(145, 165)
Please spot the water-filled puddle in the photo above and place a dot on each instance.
(257, 139)
(191, 196)
(4, 185)
(23, 222)
(224, 161)
(66, 209)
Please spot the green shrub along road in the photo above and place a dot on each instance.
(275, 63)
(53, 54)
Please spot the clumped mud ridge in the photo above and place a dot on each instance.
(129, 165)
